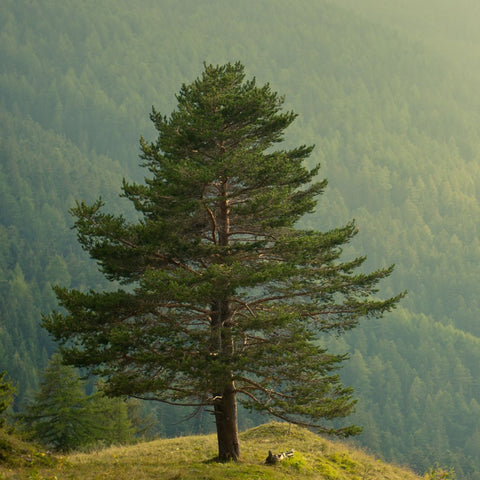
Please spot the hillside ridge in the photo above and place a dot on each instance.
(191, 457)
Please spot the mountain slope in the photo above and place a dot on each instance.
(395, 125)
(451, 30)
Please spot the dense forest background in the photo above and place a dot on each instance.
(388, 92)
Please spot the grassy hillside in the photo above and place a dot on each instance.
(189, 458)
(17, 454)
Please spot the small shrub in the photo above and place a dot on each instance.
(343, 462)
(438, 473)
(297, 462)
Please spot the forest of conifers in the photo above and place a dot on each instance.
(388, 94)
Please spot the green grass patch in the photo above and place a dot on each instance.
(190, 458)
(15, 453)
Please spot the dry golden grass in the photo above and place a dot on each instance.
(190, 458)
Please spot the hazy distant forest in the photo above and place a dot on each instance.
(387, 91)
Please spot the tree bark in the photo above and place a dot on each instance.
(227, 425)
(225, 406)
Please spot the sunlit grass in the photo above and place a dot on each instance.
(190, 458)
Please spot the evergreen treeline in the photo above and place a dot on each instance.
(395, 123)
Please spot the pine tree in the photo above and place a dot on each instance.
(62, 416)
(225, 298)
(58, 416)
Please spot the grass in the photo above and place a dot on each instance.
(190, 458)
(16, 453)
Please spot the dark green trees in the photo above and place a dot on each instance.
(224, 298)
(58, 417)
(6, 397)
(62, 416)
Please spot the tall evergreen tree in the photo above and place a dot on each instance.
(225, 298)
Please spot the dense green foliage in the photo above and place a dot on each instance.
(6, 397)
(63, 417)
(393, 114)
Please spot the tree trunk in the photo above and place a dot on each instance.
(227, 425)
(225, 406)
